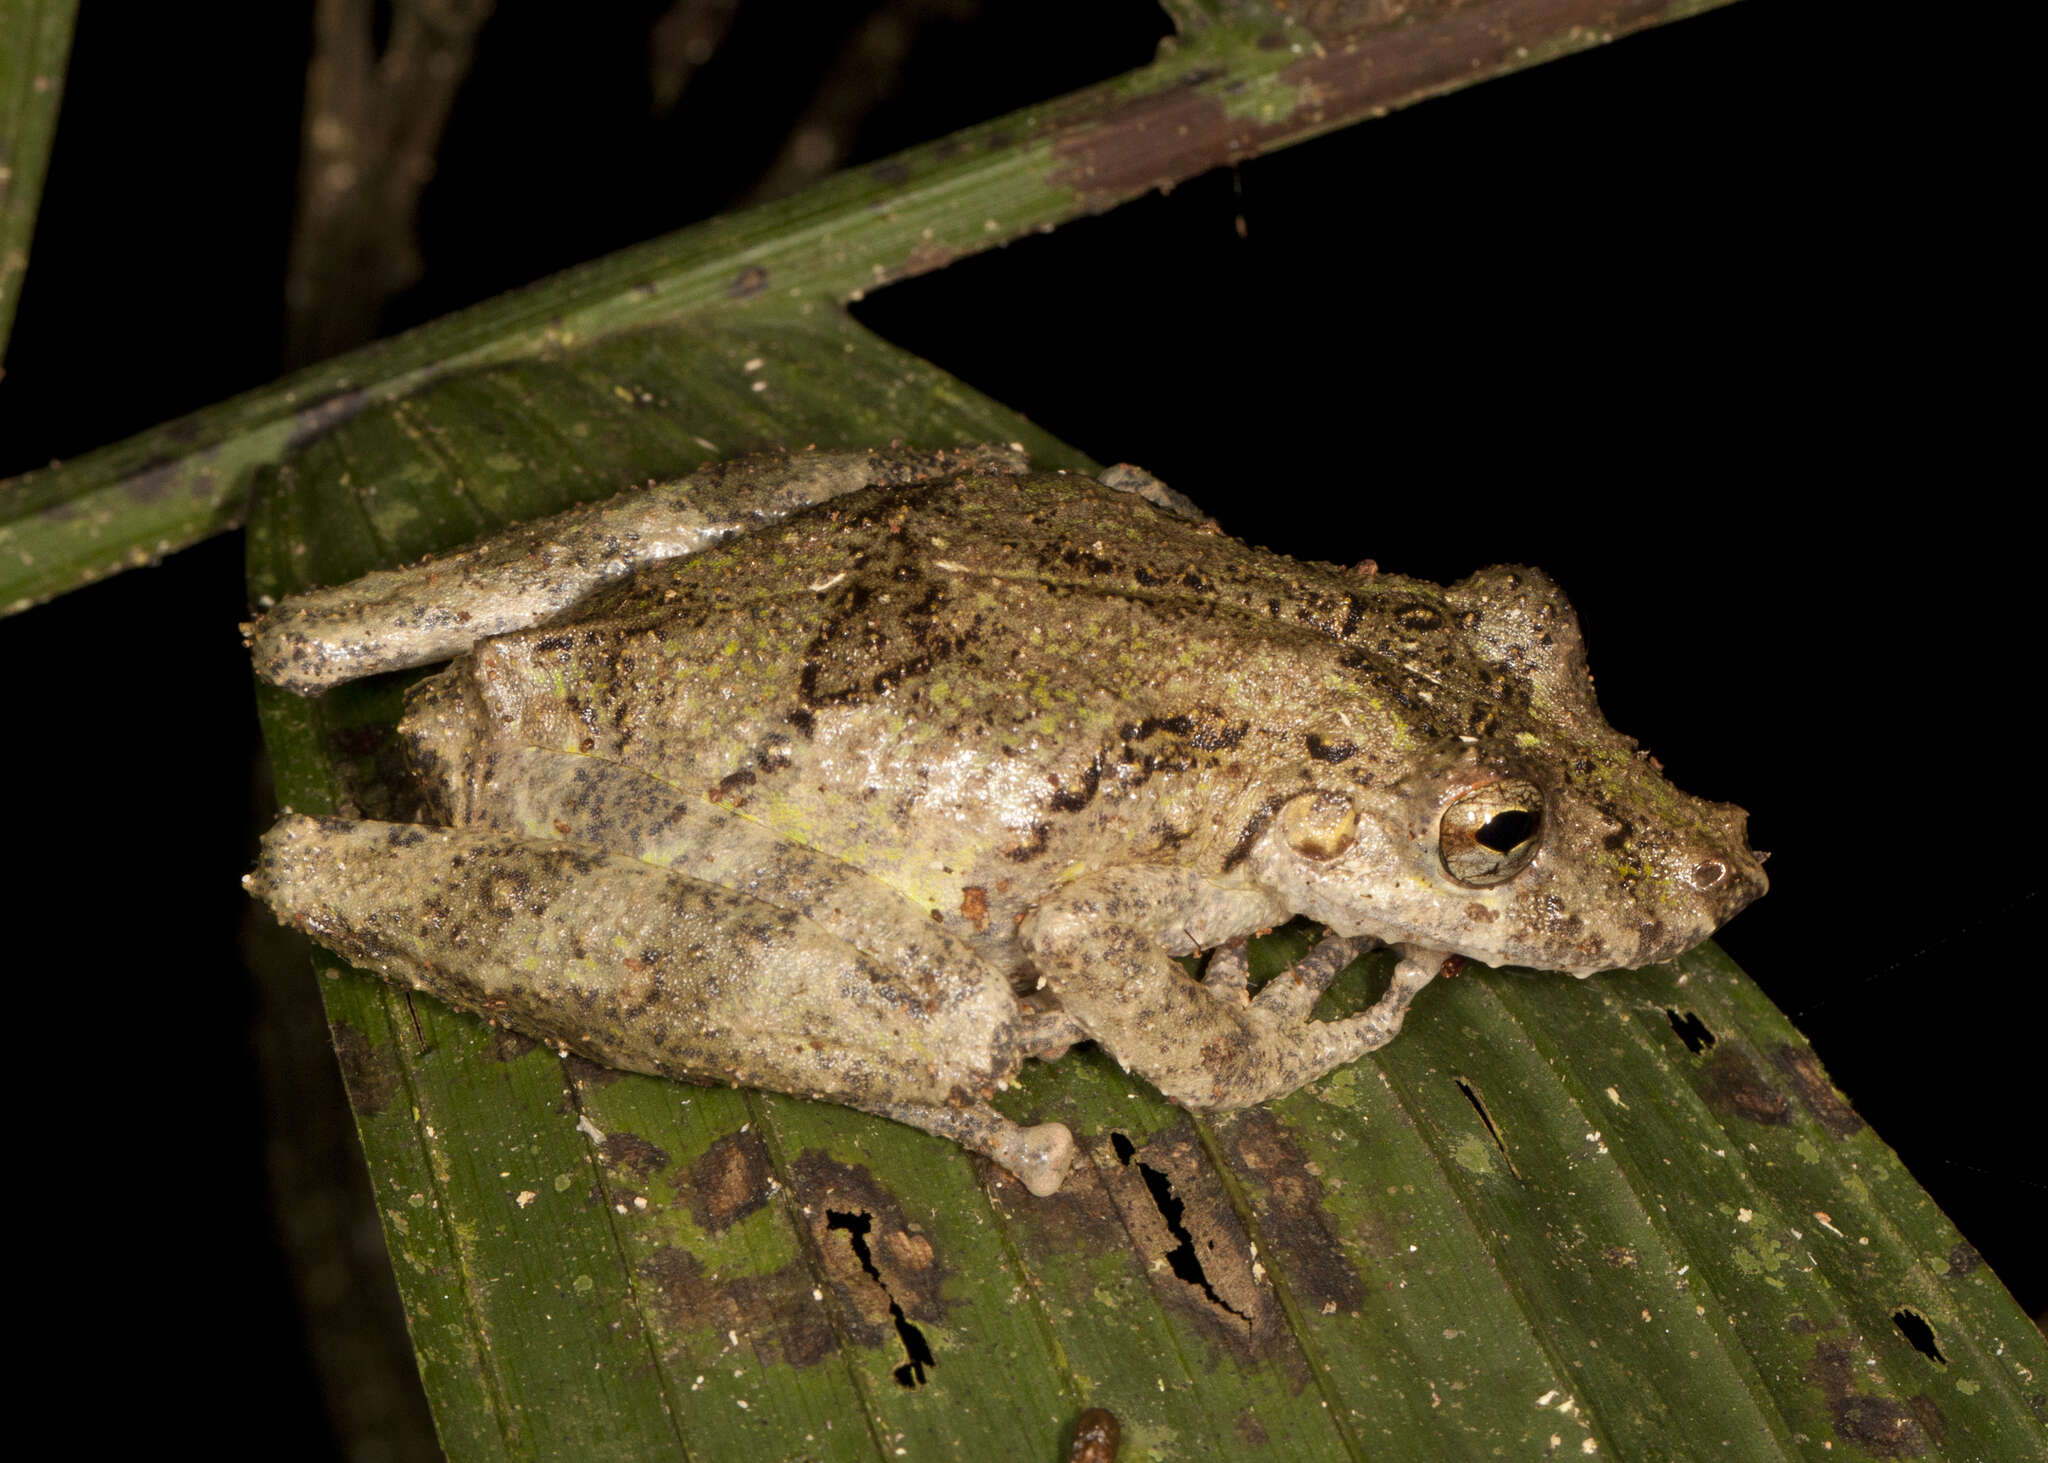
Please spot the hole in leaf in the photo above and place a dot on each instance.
(1182, 1259)
(915, 1347)
(1691, 1030)
(1479, 1106)
(1913, 1326)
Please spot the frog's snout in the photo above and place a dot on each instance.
(1731, 884)
(1734, 875)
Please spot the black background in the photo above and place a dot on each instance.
(1707, 323)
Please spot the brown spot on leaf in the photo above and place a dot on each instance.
(1962, 1260)
(900, 1267)
(1811, 1086)
(774, 1315)
(1733, 1087)
(1096, 1436)
(1195, 1251)
(1296, 1226)
(370, 1082)
(1881, 1426)
(729, 1182)
(632, 1155)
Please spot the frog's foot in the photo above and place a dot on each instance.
(1293, 993)
(1039, 1157)
(1277, 1049)
(1200, 1044)
(1290, 995)
(1380, 1022)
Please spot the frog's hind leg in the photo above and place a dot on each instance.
(537, 572)
(542, 794)
(649, 970)
(1039, 1156)
(550, 794)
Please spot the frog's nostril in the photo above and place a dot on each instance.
(1711, 874)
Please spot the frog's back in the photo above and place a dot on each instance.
(903, 676)
(992, 676)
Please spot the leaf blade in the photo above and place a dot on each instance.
(35, 44)
(1380, 1269)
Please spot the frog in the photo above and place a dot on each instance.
(871, 775)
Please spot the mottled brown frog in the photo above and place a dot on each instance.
(866, 776)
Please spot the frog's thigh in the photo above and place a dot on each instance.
(646, 969)
(537, 572)
(547, 794)
(1201, 1046)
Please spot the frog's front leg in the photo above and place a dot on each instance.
(397, 618)
(649, 970)
(1098, 943)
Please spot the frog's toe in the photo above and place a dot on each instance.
(1229, 972)
(1046, 1035)
(1039, 1157)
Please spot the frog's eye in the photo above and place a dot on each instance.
(1489, 835)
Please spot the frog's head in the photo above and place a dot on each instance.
(1498, 858)
(1504, 820)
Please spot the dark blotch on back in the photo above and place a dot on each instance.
(1327, 751)
(1073, 800)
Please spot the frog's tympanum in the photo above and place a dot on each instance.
(866, 776)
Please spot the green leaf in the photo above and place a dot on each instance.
(1251, 79)
(1623, 1217)
(35, 41)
